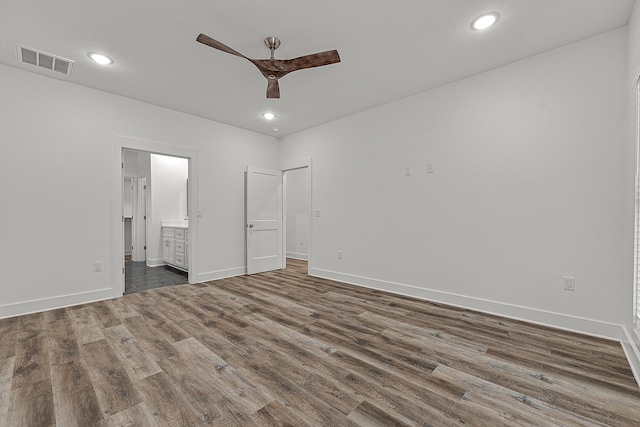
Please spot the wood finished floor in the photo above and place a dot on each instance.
(284, 349)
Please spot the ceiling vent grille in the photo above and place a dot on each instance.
(44, 60)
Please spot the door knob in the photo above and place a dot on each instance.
(250, 225)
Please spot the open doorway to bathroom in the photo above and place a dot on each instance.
(155, 219)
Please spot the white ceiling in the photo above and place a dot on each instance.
(389, 49)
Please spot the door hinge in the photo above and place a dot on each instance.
(122, 165)
(122, 270)
(145, 217)
(122, 218)
(145, 186)
(145, 247)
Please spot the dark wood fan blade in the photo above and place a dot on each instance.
(204, 39)
(273, 89)
(311, 61)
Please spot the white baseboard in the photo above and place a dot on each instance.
(632, 351)
(296, 255)
(546, 318)
(155, 262)
(220, 274)
(35, 306)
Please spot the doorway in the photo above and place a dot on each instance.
(278, 217)
(297, 214)
(154, 196)
(168, 205)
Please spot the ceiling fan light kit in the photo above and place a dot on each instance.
(274, 69)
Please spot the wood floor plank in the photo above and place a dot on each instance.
(103, 315)
(75, 400)
(32, 360)
(307, 370)
(167, 404)
(370, 415)
(154, 344)
(9, 329)
(121, 309)
(6, 379)
(32, 405)
(312, 410)
(233, 386)
(282, 348)
(275, 414)
(130, 353)
(85, 327)
(137, 415)
(113, 387)
(210, 405)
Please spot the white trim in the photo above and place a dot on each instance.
(221, 274)
(52, 303)
(117, 248)
(296, 255)
(155, 262)
(632, 351)
(546, 318)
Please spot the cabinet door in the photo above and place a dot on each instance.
(168, 250)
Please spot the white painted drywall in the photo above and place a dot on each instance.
(297, 213)
(54, 133)
(631, 338)
(528, 186)
(168, 199)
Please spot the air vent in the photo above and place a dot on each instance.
(44, 60)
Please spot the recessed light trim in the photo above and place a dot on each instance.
(100, 58)
(485, 21)
(269, 116)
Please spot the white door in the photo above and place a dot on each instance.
(264, 220)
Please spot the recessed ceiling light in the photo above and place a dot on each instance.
(276, 129)
(485, 21)
(100, 58)
(269, 116)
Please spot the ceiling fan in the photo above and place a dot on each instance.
(274, 69)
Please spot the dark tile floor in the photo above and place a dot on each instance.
(138, 277)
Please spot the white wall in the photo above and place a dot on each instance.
(168, 199)
(56, 151)
(631, 339)
(529, 163)
(297, 213)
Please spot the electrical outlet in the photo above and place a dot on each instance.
(97, 266)
(339, 254)
(429, 168)
(569, 283)
(408, 171)
(301, 242)
(316, 213)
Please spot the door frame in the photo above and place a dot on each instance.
(297, 164)
(119, 143)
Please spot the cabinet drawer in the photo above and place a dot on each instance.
(180, 246)
(180, 260)
(179, 233)
(168, 232)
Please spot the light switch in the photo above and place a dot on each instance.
(316, 213)
(429, 168)
(408, 171)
